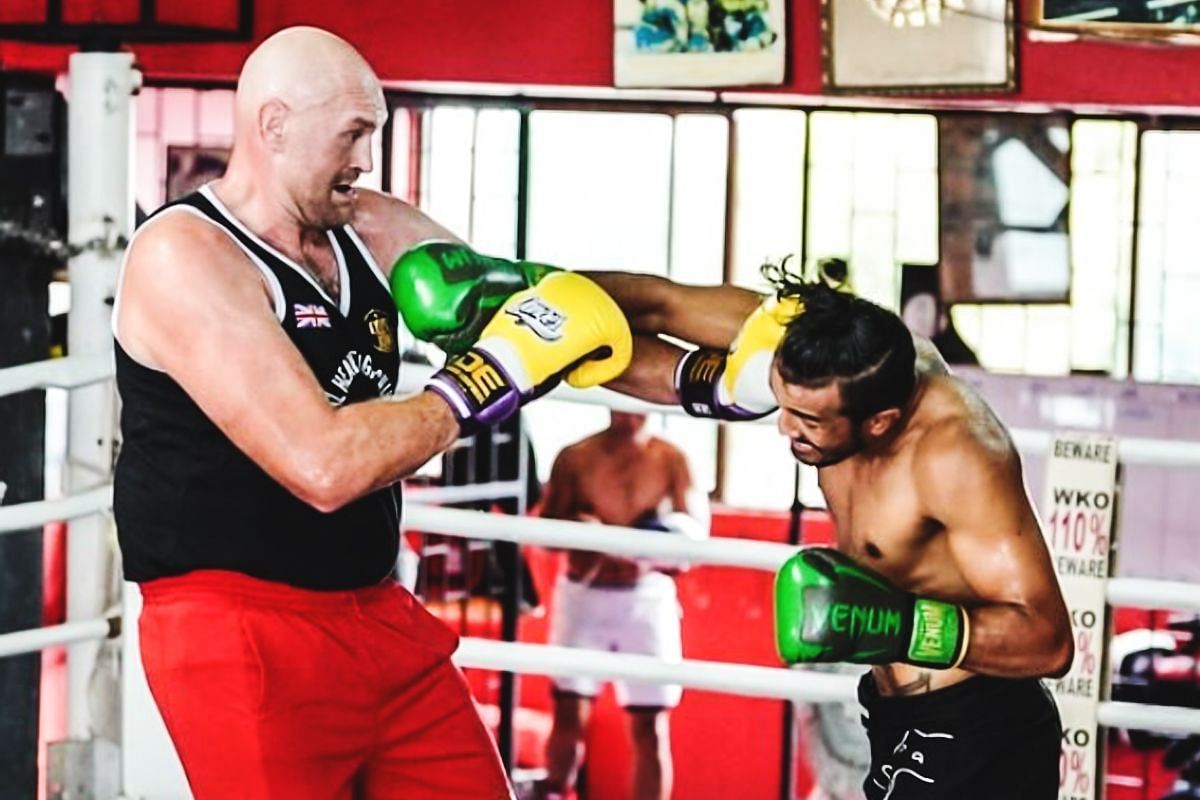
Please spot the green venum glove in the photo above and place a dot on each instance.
(446, 292)
(830, 608)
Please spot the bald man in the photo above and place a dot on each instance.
(256, 359)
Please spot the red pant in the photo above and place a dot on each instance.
(269, 691)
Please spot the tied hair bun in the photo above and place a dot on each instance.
(818, 292)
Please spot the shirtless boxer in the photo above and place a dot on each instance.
(256, 355)
(941, 580)
(620, 476)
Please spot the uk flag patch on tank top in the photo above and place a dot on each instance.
(311, 315)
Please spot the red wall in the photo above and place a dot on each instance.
(570, 43)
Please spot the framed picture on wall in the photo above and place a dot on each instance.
(911, 46)
(697, 43)
(1132, 18)
(1004, 184)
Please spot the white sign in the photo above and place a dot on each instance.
(1081, 481)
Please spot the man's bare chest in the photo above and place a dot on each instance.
(878, 516)
(625, 483)
(322, 265)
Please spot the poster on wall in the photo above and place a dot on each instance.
(189, 168)
(1130, 18)
(696, 43)
(905, 46)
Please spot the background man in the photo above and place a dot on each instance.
(621, 476)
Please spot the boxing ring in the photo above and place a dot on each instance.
(99, 213)
(797, 684)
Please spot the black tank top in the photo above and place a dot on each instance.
(186, 498)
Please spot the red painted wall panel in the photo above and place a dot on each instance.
(551, 42)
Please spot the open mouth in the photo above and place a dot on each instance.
(344, 189)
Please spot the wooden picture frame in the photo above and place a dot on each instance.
(961, 46)
(698, 43)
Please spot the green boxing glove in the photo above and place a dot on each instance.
(446, 292)
(830, 608)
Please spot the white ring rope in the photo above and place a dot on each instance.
(724, 551)
(496, 490)
(71, 372)
(1142, 717)
(748, 680)
(31, 641)
(23, 516)
(743, 679)
(1132, 450)
(612, 539)
(1149, 593)
(76, 371)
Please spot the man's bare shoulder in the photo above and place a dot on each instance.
(390, 226)
(665, 447)
(181, 245)
(578, 454)
(964, 442)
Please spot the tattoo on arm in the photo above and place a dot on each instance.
(889, 686)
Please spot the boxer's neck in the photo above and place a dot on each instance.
(269, 215)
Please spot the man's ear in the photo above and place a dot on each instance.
(272, 118)
(881, 422)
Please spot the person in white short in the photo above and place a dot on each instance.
(620, 476)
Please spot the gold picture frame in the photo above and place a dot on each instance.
(962, 46)
(1154, 19)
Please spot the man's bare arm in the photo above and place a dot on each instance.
(561, 497)
(708, 316)
(1020, 626)
(391, 227)
(686, 496)
(650, 375)
(194, 307)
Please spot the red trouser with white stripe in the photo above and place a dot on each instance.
(269, 691)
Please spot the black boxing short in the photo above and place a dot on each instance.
(984, 738)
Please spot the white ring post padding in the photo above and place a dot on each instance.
(725, 551)
(31, 641)
(23, 516)
(57, 373)
(741, 679)
(1147, 593)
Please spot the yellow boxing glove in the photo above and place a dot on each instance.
(735, 385)
(566, 325)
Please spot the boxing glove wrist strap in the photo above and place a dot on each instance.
(940, 634)
(478, 389)
(696, 377)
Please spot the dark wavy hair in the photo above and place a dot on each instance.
(862, 347)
